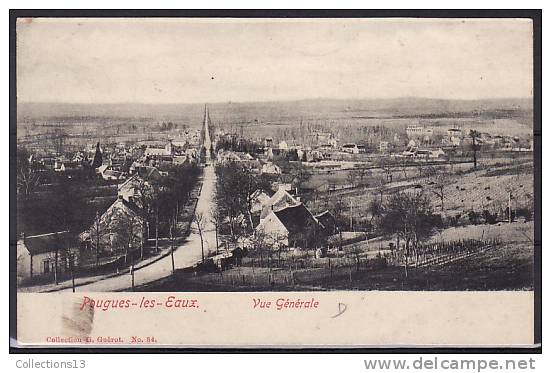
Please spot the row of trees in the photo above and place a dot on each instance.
(237, 144)
(161, 204)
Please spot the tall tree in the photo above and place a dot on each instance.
(28, 178)
(200, 223)
(440, 182)
(474, 135)
(97, 232)
(409, 216)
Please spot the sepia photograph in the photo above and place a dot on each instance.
(262, 169)
(274, 155)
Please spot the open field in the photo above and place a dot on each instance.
(464, 189)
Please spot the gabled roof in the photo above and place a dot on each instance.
(49, 242)
(148, 172)
(113, 173)
(129, 182)
(280, 199)
(296, 218)
(132, 207)
(327, 220)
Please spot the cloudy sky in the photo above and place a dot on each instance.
(217, 60)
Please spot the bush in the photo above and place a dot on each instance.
(488, 217)
(525, 212)
(474, 217)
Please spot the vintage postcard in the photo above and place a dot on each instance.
(275, 182)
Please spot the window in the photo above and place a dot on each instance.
(71, 260)
(46, 265)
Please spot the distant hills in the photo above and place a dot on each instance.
(284, 110)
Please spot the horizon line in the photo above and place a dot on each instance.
(276, 100)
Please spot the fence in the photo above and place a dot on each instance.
(293, 271)
(441, 252)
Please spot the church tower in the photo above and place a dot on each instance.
(206, 121)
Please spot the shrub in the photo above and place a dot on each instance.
(474, 217)
(488, 217)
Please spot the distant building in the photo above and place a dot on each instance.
(454, 132)
(66, 165)
(165, 150)
(112, 175)
(333, 142)
(417, 131)
(414, 130)
(271, 168)
(350, 148)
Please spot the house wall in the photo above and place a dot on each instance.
(275, 231)
(23, 262)
(38, 262)
(114, 225)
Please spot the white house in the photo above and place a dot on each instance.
(271, 168)
(350, 148)
(36, 255)
(159, 151)
(112, 175)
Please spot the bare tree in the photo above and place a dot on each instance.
(380, 188)
(409, 216)
(439, 185)
(125, 230)
(352, 177)
(200, 222)
(386, 165)
(300, 175)
(474, 135)
(27, 180)
(146, 195)
(363, 173)
(216, 219)
(97, 232)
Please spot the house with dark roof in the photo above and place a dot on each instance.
(292, 226)
(328, 221)
(36, 255)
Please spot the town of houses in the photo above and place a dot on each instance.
(136, 175)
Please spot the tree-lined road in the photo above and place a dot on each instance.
(185, 255)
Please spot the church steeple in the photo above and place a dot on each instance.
(206, 121)
(98, 158)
